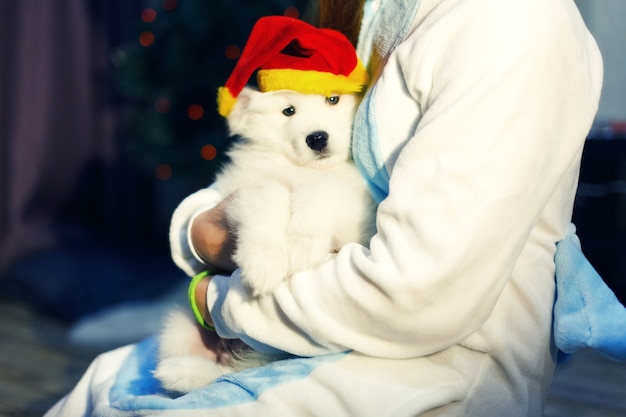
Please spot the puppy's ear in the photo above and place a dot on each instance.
(237, 119)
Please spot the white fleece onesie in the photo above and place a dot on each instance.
(471, 137)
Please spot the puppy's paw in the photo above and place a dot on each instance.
(186, 373)
(263, 266)
(180, 334)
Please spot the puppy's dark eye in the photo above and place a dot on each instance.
(332, 100)
(289, 111)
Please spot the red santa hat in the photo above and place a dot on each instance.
(291, 54)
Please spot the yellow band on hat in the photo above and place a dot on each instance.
(302, 81)
(312, 82)
(225, 101)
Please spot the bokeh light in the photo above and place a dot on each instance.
(169, 4)
(162, 104)
(208, 152)
(195, 112)
(148, 15)
(232, 52)
(146, 38)
(292, 11)
(163, 172)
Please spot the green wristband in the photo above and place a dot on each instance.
(192, 299)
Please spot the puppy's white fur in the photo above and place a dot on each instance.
(295, 202)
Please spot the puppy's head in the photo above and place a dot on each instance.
(309, 129)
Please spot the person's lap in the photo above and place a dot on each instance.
(340, 385)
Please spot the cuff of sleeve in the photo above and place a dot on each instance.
(220, 287)
(192, 248)
(215, 295)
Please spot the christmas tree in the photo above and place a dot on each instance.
(184, 51)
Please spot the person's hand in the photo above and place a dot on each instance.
(212, 239)
(214, 242)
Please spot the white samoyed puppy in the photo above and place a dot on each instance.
(297, 198)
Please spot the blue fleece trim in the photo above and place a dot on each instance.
(587, 314)
(390, 27)
(366, 148)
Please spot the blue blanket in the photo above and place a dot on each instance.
(135, 387)
(587, 314)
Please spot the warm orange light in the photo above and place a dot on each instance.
(195, 112)
(146, 38)
(169, 4)
(148, 15)
(208, 152)
(163, 172)
(232, 52)
(162, 104)
(292, 12)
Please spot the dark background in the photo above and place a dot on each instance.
(107, 121)
(600, 206)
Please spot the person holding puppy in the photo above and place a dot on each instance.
(470, 137)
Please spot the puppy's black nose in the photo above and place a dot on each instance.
(317, 140)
